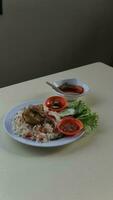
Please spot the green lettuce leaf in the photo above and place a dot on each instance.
(81, 110)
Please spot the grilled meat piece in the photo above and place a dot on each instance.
(34, 114)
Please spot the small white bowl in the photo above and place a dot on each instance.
(58, 83)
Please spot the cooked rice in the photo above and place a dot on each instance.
(37, 133)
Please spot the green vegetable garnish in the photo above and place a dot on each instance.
(80, 110)
(67, 112)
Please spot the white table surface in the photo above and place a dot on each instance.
(79, 171)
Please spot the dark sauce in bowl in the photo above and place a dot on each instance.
(72, 88)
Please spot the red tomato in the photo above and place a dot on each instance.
(56, 103)
(70, 126)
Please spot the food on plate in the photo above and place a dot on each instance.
(32, 129)
(34, 114)
(70, 126)
(54, 119)
(80, 110)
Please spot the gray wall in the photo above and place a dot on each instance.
(39, 37)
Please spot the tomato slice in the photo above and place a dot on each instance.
(70, 126)
(56, 103)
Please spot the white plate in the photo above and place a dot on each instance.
(7, 124)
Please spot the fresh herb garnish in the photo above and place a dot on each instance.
(81, 110)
